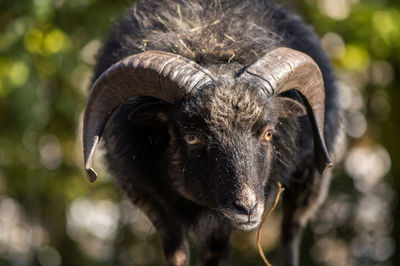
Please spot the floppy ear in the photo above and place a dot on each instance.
(290, 108)
(151, 114)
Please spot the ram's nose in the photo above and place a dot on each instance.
(244, 215)
(244, 208)
(246, 201)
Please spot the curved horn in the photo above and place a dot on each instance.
(283, 69)
(158, 74)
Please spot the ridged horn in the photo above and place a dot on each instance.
(163, 75)
(284, 69)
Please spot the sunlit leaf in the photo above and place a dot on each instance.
(19, 73)
(55, 41)
(354, 58)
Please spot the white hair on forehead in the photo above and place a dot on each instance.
(234, 106)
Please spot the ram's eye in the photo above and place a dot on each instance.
(192, 139)
(267, 136)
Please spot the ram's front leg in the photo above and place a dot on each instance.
(300, 202)
(172, 232)
(175, 246)
(214, 244)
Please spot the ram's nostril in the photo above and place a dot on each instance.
(243, 208)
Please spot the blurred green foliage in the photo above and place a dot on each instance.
(47, 53)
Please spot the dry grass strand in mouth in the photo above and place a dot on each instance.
(260, 250)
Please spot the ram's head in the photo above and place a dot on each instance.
(220, 136)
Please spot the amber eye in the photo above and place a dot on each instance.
(192, 139)
(267, 135)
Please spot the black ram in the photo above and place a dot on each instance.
(204, 107)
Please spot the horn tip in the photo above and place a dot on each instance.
(328, 164)
(91, 174)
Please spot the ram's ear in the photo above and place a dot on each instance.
(290, 108)
(152, 114)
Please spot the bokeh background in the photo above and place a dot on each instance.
(50, 215)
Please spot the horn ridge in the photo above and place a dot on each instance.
(283, 69)
(158, 74)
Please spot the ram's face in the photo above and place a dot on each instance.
(223, 145)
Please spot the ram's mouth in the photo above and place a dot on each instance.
(242, 222)
(246, 226)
